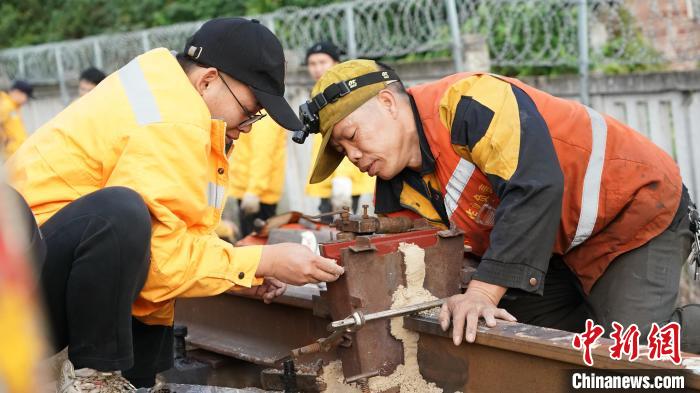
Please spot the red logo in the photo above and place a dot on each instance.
(665, 342)
(627, 342)
(585, 340)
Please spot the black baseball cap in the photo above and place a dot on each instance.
(23, 86)
(249, 52)
(326, 47)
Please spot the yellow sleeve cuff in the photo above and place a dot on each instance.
(245, 261)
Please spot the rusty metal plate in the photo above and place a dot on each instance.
(250, 330)
(374, 269)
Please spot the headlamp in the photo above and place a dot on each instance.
(309, 111)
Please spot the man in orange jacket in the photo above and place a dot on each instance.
(128, 184)
(556, 199)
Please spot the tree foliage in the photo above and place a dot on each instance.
(29, 22)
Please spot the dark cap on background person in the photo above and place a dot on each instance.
(326, 47)
(23, 86)
(250, 53)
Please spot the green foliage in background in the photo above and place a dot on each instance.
(518, 30)
(529, 26)
(627, 42)
(29, 22)
(522, 33)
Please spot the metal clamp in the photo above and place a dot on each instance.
(358, 319)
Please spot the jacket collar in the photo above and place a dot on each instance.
(427, 158)
(218, 138)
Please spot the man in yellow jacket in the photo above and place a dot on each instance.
(12, 132)
(345, 186)
(127, 185)
(258, 169)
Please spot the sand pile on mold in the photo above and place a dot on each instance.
(335, 381)
(407, 376)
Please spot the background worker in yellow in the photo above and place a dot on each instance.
(12, 132)
(345, 186)
(127, 185)
(258, 167)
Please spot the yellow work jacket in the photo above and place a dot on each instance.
(362, 183)
(145, 127)
(12, 132)
(258, 162)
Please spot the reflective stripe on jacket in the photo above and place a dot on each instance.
(568, 180)
(146, 128)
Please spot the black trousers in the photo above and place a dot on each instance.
(247, 220)
(97, 261)
(640, 286)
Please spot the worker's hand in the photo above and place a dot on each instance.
(271, 289)
(297, 265)
(341, 194)
(267, 291)
(480, 300)
(250, 204)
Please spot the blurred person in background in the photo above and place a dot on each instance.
(89, 78)
(12, 131)
(345, 186)
(258, 165)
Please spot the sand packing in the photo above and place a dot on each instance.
(406, 376)
(333, 378)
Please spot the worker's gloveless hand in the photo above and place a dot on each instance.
(270, 289)
(480, 301)
(250, 204)
(295, 264)
(267, 291)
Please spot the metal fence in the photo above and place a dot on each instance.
(568, 35)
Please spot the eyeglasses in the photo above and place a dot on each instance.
(252, 117)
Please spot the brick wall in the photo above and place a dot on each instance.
(673, 27)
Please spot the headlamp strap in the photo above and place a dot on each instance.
(333, 92)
